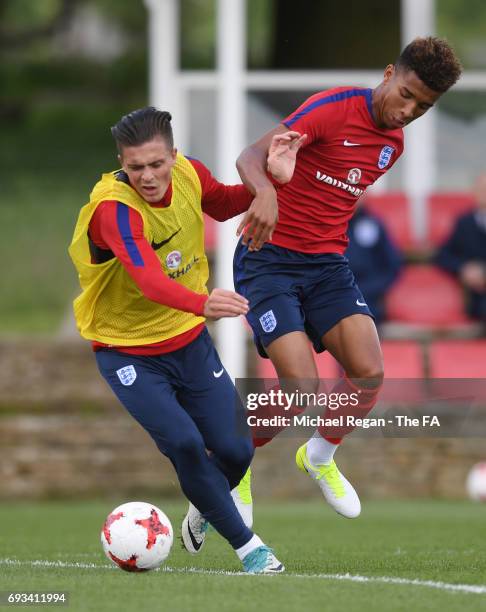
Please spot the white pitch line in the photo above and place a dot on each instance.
(476, 589)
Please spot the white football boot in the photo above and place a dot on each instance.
(193, 531)
(338, 492)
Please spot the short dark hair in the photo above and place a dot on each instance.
(142, 125)
(434, 62)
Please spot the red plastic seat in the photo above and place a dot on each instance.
(402, 359)
(458, 359)
(443, 211)
(327, 366)
(393, 210)
(426, 295)
(404, 373)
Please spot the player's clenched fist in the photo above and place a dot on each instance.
(224, 303)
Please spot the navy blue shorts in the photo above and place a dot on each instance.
(291, 291)
(185, 392)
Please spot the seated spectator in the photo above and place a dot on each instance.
(464, 253)
(373, 258)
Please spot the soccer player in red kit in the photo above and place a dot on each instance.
(298, 283)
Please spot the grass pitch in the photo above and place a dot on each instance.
(397, 556)
(48, 165)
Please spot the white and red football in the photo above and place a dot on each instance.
(137, 536)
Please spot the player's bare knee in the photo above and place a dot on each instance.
(368, 374)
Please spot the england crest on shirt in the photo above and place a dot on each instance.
(385, 156)
(127, 375)
(268, 321)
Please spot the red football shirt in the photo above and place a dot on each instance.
(344, 153)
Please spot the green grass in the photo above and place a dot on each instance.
(436, 541)
(48, 166)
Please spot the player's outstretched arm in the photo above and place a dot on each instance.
(282, 155)
(223, 303)
(261, 218)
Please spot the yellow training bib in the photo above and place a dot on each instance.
(111, 308)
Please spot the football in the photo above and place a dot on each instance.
(137, 536)
(476, 482)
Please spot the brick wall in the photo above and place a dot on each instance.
(63, 434)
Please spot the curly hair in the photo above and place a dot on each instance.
(433, 60)
(142, 125)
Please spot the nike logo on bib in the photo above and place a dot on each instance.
(346, 143)
(157, 245)
(218, 374)
(360, 303)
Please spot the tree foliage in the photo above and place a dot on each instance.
(35, 69)
(463, 23)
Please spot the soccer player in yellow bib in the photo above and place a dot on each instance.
(138, 247)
